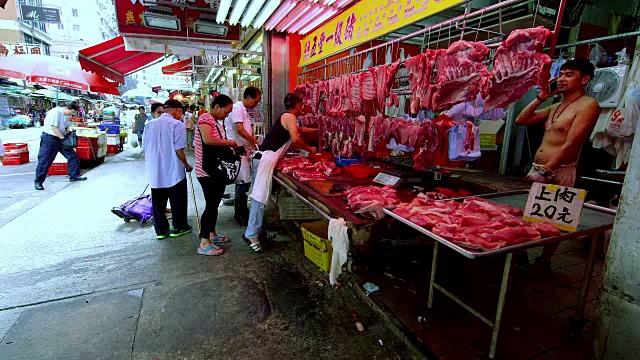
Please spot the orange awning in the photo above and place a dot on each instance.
(111, 60)
(180, 66)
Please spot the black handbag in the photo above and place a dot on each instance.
(220, 161)
(70, 141)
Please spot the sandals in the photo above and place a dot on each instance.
(205, 251)
(220, 239)
(257, 247)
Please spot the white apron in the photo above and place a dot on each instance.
(264, 175)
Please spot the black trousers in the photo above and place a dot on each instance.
(178, 196)
(240, 202)
(50, 146)
(213, 189)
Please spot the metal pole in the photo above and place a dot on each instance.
(434, 262)
(506, 141)
(556, 30)
(586, 280)
(503, 293)
(603, 38)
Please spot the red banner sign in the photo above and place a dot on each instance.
(130, 20)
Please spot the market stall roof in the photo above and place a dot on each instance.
(180, 66)
(113, 61)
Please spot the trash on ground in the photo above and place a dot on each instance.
(370, 288)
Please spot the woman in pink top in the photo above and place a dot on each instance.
(212, 133)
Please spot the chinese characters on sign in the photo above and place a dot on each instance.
(364, 21)
(7, 49)
(560, 206)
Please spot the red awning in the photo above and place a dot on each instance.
(111, 60)
(180, 66)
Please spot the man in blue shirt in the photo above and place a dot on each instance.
(166, 162)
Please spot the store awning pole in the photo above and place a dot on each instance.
(556, 30)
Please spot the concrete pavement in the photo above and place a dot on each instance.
(68, 252)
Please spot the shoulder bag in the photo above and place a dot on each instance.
(70, 141)
(220, 161)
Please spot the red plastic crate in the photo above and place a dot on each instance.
(15, 159)
(113, 149)
(16, 148)
(84, 153)
(88, 142)
(58, 169)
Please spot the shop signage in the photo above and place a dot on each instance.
(559, 206)
(366, 21)
(129, 14)
(39, 13)
(7, 49)
(175, 82)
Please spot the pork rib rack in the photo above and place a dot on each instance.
(460, 73)
(519, 65)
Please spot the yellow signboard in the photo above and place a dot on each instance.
(364, 21)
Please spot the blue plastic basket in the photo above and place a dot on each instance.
(348, 161)
(111, 129)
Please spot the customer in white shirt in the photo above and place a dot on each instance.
(166, 163)
(56, 127)
(239, 128)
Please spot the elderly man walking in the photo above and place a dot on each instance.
(166, 162)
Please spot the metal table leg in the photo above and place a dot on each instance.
(578, 320)
(434, 261)
(503, 292)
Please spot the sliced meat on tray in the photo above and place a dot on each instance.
(369, 201)
(519, 65)
(475, 223)
(460, 74)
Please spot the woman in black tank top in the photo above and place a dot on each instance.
(277, 137)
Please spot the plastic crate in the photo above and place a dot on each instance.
(15, 159)
(110, 129)
(349, 161)
(113, 149)
(317, 247)
(57, 169)
(113, 139)
(16, 148)
(293, 209)
(85, 153)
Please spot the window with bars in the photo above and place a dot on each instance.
(74, 12)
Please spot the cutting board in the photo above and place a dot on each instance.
(323, 187)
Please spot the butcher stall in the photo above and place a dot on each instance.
(413, 145)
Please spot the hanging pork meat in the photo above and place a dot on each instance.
(519, 65)
(460, 73)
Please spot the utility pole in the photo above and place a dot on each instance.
(616, 324)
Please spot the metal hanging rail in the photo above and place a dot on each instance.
(440, 25)
(594, 40)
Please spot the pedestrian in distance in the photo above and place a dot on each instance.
(157, 109)
(239, 128)
(54, 131)
(212, 133)
(166, 163)
(189, 125)
(139, 123)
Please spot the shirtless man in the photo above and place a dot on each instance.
(567, 126)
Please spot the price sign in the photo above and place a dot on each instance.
(559, 206)
(386, 179)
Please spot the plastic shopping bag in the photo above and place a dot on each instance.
(464, 142)
(625, 118)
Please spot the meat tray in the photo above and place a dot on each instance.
(594, 219)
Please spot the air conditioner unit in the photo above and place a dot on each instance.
(608, 84)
